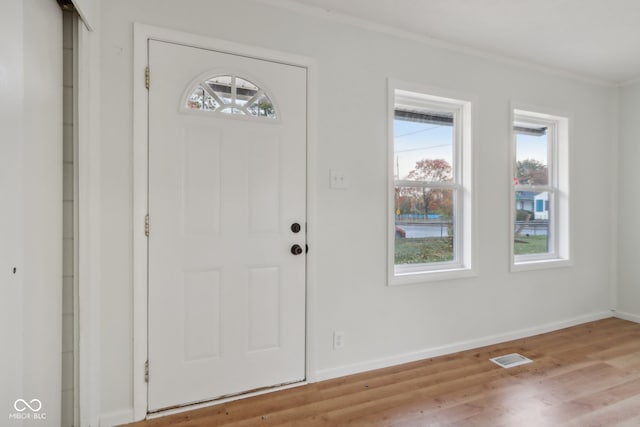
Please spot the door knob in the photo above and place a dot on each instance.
(296, 249)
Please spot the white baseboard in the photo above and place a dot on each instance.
(627, 316)
(117, 418)
(369, 365)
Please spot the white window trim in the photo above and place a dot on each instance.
(560, 251)
(460, 106)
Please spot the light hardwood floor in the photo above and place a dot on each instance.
(588, 375)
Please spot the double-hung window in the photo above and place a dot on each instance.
(540, 196)
(430, 191)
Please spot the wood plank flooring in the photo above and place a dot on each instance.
(588, 375)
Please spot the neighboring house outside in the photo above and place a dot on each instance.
(525, 201)
(531, 201)
(542, 206)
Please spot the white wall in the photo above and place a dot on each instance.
(88, 202)
(628, 292)
(31, 219)
(382, 324)
(12, 136)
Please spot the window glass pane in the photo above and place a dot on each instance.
(531, 227)
(531, 155)
(231, 110)
(221, 85)
(246, 86)
(210, 104)
(262, 107)
(423, 146)
(245, 91)
(196, 100)
(201, 100)
(423, 225)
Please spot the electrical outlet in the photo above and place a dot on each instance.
(338, 179)
(338, 340)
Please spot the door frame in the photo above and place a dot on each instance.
(141, 34)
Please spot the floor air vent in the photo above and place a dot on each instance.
(511, 360)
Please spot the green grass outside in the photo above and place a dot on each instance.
(435, 249)
(423, 249)
(530, 245)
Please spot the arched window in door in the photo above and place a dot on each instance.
(231, 94)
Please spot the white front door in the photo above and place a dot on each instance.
(227, 199)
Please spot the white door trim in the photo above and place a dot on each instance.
(142, 33)
(88, 221)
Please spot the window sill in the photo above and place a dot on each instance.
(430, 276)
(540, 264)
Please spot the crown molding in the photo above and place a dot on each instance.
(341, 18)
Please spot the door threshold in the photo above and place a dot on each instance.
(222, 399)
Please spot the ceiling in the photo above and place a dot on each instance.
(596, 39)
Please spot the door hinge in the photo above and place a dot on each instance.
(146, 225)
(147, 79)
(146, 371)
